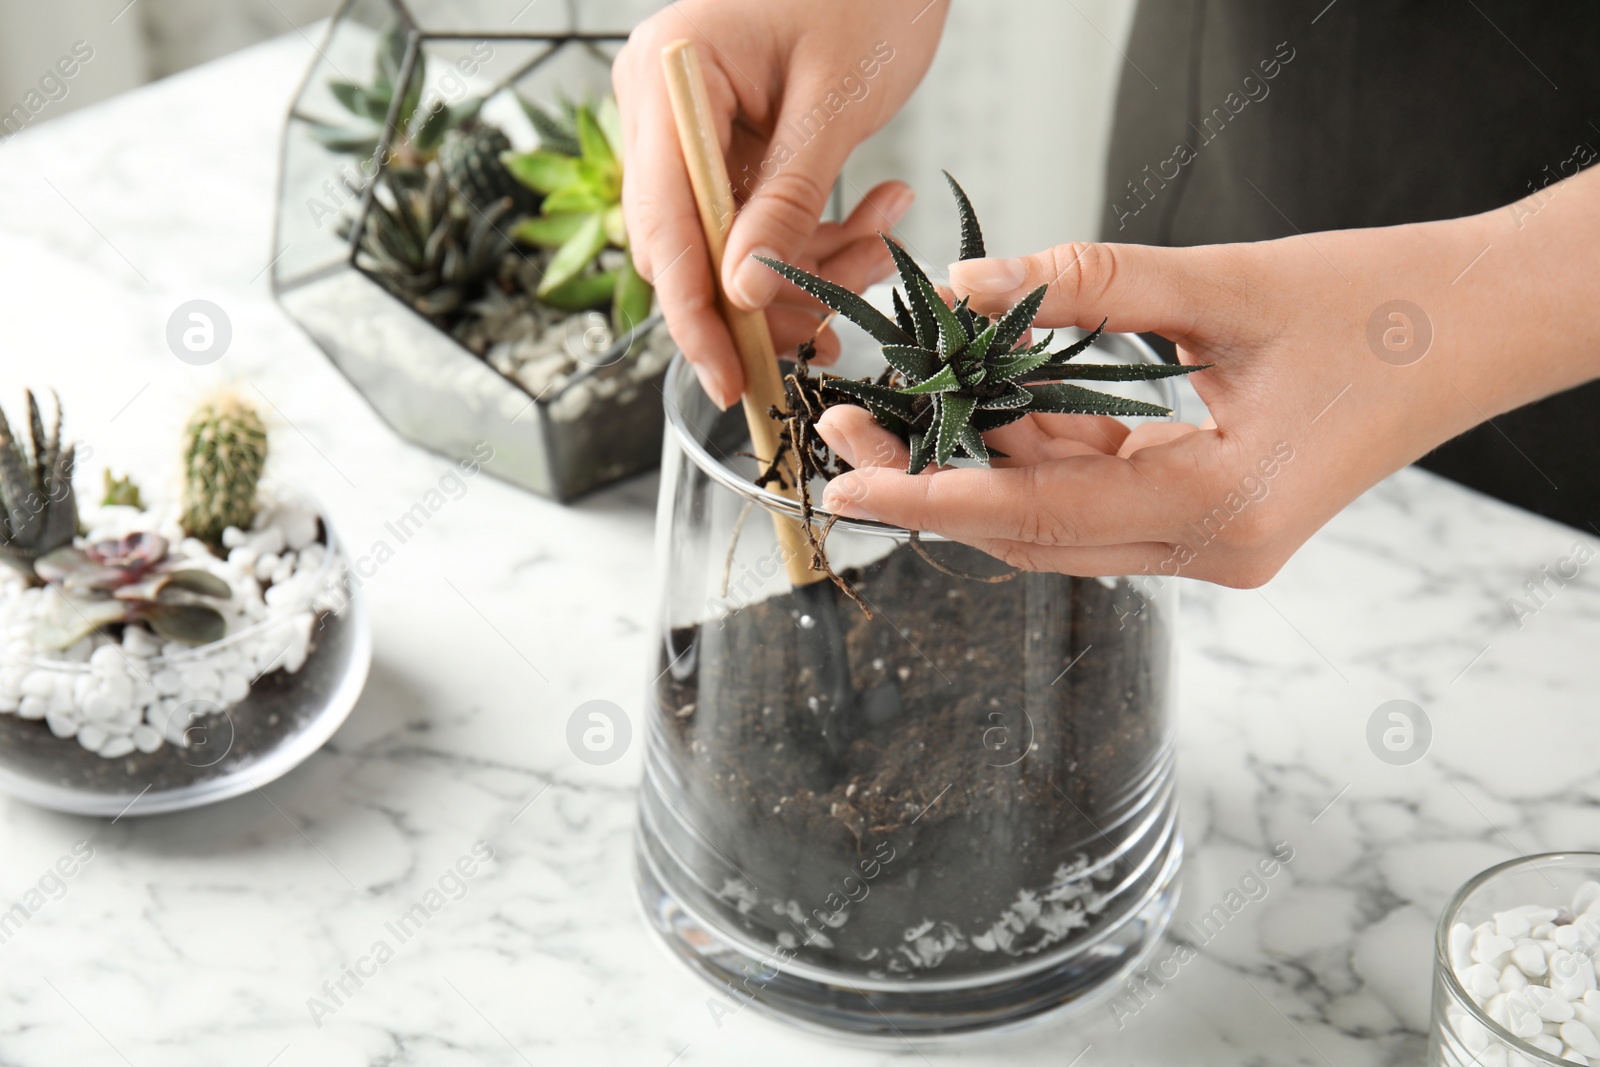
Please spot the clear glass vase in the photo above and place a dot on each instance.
(985, 834)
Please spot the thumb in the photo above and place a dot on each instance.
(784, 197)
(1138, 288)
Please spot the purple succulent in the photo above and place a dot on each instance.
(127, 580)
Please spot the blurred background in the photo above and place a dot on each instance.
(1040, 100)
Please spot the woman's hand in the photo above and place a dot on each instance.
(795, 86)
(1338, 358)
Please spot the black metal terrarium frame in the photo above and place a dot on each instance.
(423, 382)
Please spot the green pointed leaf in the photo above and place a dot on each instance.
(1078, 347)
(925, 326)
(342, 140)
(541, 170)
(616, 230)
(874, 396)
(943, 382)
(1113, 372)
(915, 363)
(1014, 323)
(592, 141)
(631, 303)
(554, 134)
(579, 196)
(571, 258)
(1015, 396)
(972, 444)
(952, 338)
(979, 346)
(1009, 367)
(358, 101)
(993, 420)
(964, 315)
(954, 412)
(849, 304)
(583, 292)
(971, 234)
(391, 56)
(609, 118)
(921, 452)
(441, 121)
(1075, 400)
(549, 231)
(902, 314)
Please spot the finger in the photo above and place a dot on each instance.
(1146, 557)
(1154, 433)
(790, 326)
(1080, 501)
(1034, 434)
(684, 293)
(878, 212)
(855, 436)
(1134, 287)
(1026, 445)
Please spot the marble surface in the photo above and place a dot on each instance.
(200, 938)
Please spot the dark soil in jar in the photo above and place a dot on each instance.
(279, 707)
(986, 823)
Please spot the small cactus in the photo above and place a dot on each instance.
(224, 450)
(120, 492)
(38, 511)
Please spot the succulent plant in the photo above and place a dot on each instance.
(954, 374)
(224, 451)
(581, 215)
(470, 159)
(120, 492)
(127, 580)
(419, 132)
(426, 250)
(38, 510)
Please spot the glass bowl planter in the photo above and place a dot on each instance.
(1469, 1030)
(589, 411)
(213, 748)
(1003, 845)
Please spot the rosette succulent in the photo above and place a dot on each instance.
(954, 374)
(131, 579)
(580, 216)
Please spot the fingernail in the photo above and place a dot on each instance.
(838, 442)
(717, 387)
(988, 275)
(895, 206)
(755, 283)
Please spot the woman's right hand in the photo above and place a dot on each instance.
(795, 87)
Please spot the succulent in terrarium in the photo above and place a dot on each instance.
(427, 248)
(580, 216)
(470, 158)
(38, 510)
(419, 131)
(954, 374)
(224, 451)
(131, 579)
(120, 492)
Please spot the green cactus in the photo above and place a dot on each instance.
(224, 450)
(38, 511)
(120, 492)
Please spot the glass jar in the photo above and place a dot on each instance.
(1469, 1030)
(986, 833)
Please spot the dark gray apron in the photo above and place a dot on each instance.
(1245, 120)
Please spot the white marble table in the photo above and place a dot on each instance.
(199, 938)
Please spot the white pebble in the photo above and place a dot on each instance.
(167, 681)
(1586, 1014)
(1461, 946)
(92, 737)
(146, 738)
(285, 568)
(1488, 947)
(137, 641)
(1545, 1043)
(232, 537)
(235, 687)
(1512, 979)
(100, 707)
(117, 746)
(244, 559)
(268, 542)
(40, 683)
(1512, 924)
(1481, 979)
(106, 656)
(1572, 1055)
(1571, 975)
(1580, 1038)
(1547, 1004)
(1567, 937)
(1542, 932)
(61, 723)
(1529, 959)
(32, 707)
(200, 680)
(1521, 1019)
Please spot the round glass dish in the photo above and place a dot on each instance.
(230, 748)
(986, 835)
(1464, 1033)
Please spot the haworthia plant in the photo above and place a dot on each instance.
(955, 374)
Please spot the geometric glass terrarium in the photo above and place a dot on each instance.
(473, 286)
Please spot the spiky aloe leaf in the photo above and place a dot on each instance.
(845, 302)
(965, 315)
(955, 409)
(971, 233)
(972, 444)
(1081, 346)
(1015, 366)
(1014, 323)
(943, 382)
(876, 397)
(902, 314)
(985, 421)
(22, 514)
(952, 337)
(921, 452)
(1112, 372)
(554, 134)
(924, 326)
(979, 346)
(915, 363)
(1014, 397)
(1075, 400)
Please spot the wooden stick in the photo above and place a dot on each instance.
(763, 384)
